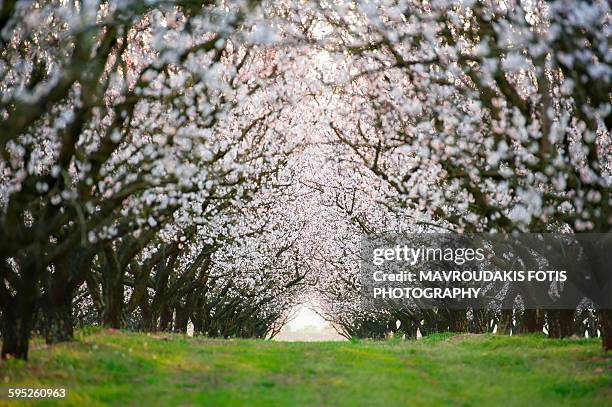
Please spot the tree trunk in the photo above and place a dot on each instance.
(605, 318)
(112, 315)
(58, 324)
(113, 304)
(112, 289)
(181, 319)
(554, 330)
(560, 323)
(148, 322)
(504, 325)
(479, 321)
(198, 320)
(17, 319)
(165, 319)
(458, 321)
(532, 320)
(56, 302)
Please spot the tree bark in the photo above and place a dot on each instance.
(58, 324)
(479, 321)
(165, 319)
(504, 325)
(112, 289)
(181, 319)
(605, 318)
(458, 321)
(112, 315)
(17, 319)
(560, 323)
(56, 302)
(148, 322)
(532, 320)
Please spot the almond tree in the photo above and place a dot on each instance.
(486, 116)
(77, 81)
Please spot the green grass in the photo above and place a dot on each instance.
(119, 368)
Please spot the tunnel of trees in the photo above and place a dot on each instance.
(215, 163)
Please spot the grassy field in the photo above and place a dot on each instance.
(117, 368)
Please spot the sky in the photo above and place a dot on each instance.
(307, 325)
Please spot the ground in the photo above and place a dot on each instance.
(119, 368)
